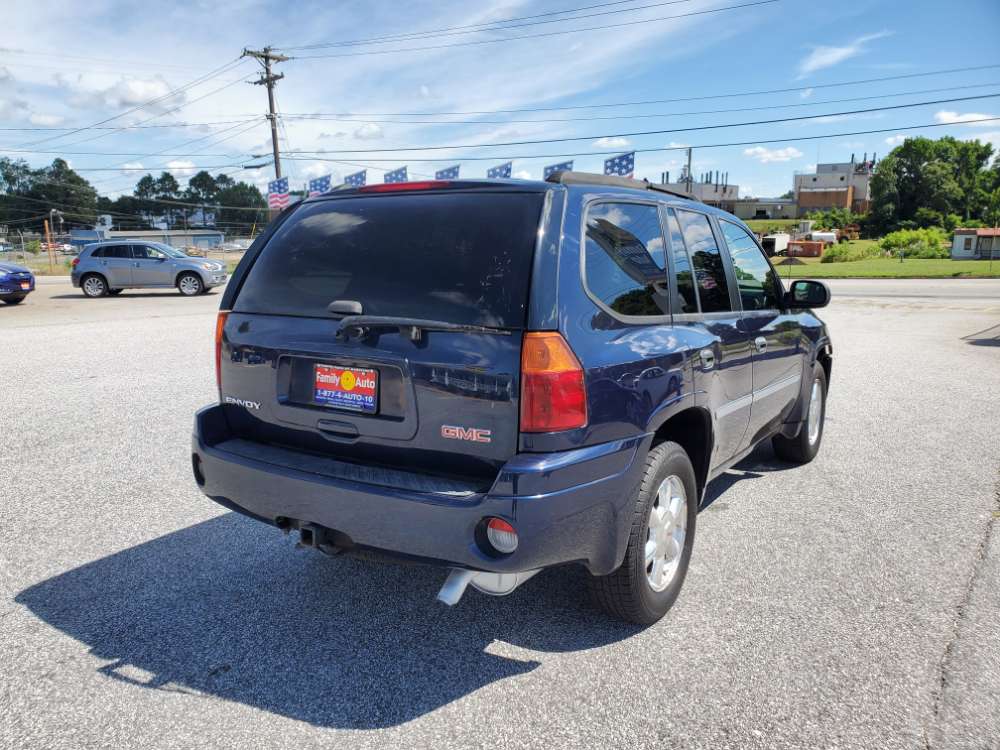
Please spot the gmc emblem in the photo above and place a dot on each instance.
(472, 434)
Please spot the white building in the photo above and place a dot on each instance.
(975, 244)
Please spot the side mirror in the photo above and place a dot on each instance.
(807, 293)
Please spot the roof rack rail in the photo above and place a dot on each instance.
(588, 178)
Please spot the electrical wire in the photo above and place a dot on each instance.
(603, 27)
(640, 133)
(792, 139)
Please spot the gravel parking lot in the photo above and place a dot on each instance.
(852, 602)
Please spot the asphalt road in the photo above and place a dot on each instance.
(850, 603)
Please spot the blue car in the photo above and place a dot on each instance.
(502, 376)
(16, 283)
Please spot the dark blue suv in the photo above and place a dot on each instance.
(502, 376)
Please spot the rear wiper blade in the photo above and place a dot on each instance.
(412, 327)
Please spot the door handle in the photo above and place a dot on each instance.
(707, 359)
(761, 343)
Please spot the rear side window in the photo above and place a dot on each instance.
(709, 272)
(687, 299)
(97, 253)
(455, 257)
(625, 260)
(755, 278)
(115, 251)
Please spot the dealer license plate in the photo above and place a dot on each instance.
(354, 388)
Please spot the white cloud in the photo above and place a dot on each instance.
(130, 168)
(895, 140)
(826, 57)
(522, 174)
(612, 142)
(369, 131)
(125, 92)
(675, 144)
(36, 118)
(767, 155)
(425, 91)
(5, 76)
(181, 167)
(955, 118)
(806, 93)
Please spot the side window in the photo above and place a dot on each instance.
(759, 287)
(625, 258)
(687, 299)
(146, 252)
(709, 272)
(98, 253)
(116, 251)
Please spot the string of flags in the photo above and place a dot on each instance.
(278, 194)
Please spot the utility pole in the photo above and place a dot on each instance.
(689, 172)
(266, 57)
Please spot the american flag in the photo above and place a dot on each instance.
(499, 171)
(396, 175)
(357, 179)
(319, 186)
(623, 164)
(277, 193)
(451, 173)
(565, 166)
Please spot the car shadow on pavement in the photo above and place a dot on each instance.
(229, 608)
(164, 293)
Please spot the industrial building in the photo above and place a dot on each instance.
(180, 238)
(836, 185)
(712, 188)
(766, 208)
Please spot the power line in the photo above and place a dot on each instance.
(536, 36)
(735, 94)
(763, 107)
(207, 76)
(457, 32)
(510, 157)
(161, 114)
(667, 131)
(129, 127)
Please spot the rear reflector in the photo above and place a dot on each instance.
(553, 395)
(220, 324)
(501, 535)
(396, 187)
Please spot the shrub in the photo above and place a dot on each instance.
(850, 252)
(916, 243)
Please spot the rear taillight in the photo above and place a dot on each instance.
(75, 263)
(220, 324)
(553, 396)
(501, 535)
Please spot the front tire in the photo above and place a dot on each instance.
(190, 284)
(94, 285)
(649, 579)
(803, 448)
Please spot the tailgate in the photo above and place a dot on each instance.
(444, 401)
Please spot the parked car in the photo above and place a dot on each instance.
(502, 376)
(110, 267)
(16, 283)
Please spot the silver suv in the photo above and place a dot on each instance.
(110, 267)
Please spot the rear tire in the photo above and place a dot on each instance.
(13, 300)
(190, 284)
(662, 534)
(94, 285)
(803, 448)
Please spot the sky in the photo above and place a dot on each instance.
(687, 69)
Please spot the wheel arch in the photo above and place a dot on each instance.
(691, 428)
(189, 272)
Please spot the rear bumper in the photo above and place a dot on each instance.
(572, 506)
(13, 288)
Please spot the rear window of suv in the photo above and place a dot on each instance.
(458, 257)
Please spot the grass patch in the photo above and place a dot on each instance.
(891, 268)
(767, 226)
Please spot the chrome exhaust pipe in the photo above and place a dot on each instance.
(494, 584)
